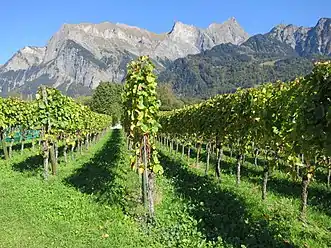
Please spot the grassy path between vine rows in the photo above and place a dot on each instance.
(69, 210)
(89, 202)
(237, 215)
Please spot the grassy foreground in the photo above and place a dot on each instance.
(94, 201)
(35, 213)
(227, 215)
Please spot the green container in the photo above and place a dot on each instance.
(30, 134)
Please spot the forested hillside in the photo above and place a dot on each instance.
(287, 51)
(227, 67)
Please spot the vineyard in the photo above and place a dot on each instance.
(56, 117)
(248, 169)
(288, 124)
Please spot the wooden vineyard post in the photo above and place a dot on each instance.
(141, 126)
(46, 131)
(4, 144)
(208, 158)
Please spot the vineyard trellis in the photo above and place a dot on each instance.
(289, 121)
(141, 108)
(56, 118)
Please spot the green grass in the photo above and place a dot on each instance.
(237, 215)
(269, 63)
(94, 201)
(62, 212)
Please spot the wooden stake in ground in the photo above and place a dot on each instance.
(4, 144)
(46, 131)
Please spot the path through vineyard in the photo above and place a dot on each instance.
(35, 213)
(88, 203)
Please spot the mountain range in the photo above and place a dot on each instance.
(287, 51)
(196, 61)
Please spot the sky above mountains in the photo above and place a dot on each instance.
(33, 22)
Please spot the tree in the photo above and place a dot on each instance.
(85, 100)
(107, 100)
(167, 97)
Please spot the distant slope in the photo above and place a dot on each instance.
(306, 41)
(262, 58)
(197, 61)
(227, 67)
(79, 56)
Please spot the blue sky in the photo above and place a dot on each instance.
(32, 22)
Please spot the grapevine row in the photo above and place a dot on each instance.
(289, 120)
(140, 124)
(56, 117)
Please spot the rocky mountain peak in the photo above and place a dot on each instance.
(85, 54)
(324, 21)
(286, 34)
(78, 56)
(319, 38)
(32, 50)
(25, 58)
(181, 32)
(178, 25)
(231, 20)
(229, 31)
(306, 40)
(279, 26)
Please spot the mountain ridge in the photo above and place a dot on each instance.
(283, 53)
(78, 56)
(110, 45)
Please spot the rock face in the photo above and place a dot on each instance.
(228, 32)
(25, 58)
(79, 56)
(306, 41)
(319, 38)
(282, 54)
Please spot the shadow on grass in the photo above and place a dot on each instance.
(222, 212)
(100, 175)
(318, 196)
(226, 166)
(321, 175)
(32, 164)
(17, 147)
